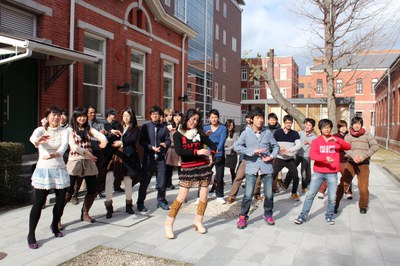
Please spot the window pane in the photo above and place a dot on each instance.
(137, 103)
(137, 58)
(137, 80)
(167, 87)
(93, 43)
(91, 95)
(92, 73)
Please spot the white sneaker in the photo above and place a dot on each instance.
(221, 200)
(321, 195)
(197, 201)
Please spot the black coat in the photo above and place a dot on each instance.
(148, 139)
(130, 159)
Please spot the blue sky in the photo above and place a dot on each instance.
(271, 24)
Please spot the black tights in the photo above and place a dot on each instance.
(36, 211)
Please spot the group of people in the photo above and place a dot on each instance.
(104, 155)
(267, 151)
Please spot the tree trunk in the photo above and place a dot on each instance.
(329, 26)
(276, 94)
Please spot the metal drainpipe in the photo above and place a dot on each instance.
(205, 66)
(183, 71)
(388, 112)
(71, 67)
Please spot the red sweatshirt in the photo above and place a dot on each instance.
(320, 149)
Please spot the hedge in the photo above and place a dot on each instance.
(12, 189)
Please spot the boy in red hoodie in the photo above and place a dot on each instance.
(325, 151)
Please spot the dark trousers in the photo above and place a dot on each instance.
(219, 168)
(290, 164)
(36, 211)
(305, 172)
(150, 167)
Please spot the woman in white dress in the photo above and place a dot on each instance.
(50, 173)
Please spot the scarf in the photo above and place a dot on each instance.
(357, 133)
(191, 134)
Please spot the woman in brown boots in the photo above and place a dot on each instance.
(126, 163)
(195, 170)
(81, 161)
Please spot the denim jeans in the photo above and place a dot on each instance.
(248, 194)
(316, 181)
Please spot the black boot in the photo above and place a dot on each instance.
(109, 208)
(128, 207)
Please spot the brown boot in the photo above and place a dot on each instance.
(89, 198)
(128, 207)
(169, 223)
(109, 208)
(198, 221)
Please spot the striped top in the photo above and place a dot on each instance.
(364, 146)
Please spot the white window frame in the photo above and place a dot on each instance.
(170, 77)
(223, 92)
(283, 73)
(256, 94)
(373, 83)
(224, 37)
(216, 65)
(216, 90)
(216, 31)
(217, 5)
(243, 94)
(101, 55)
(15, 22)
(223, 64)
(225, 11)
(320, 87)
(283, 92)
(359, 86)
(168, 3)
(234, 44)
(244, 74)
(140, 112)
(339, 87)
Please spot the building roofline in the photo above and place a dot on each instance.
(164, 18)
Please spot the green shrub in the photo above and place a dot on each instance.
(12, 190)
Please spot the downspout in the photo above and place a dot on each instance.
(205, 67)
(71, 67)
(388, 112)
(183, 71)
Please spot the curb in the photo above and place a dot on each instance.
(391, 173)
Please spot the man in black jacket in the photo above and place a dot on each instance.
(154, 138)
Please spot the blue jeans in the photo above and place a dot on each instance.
(316, 181)
(248, 194)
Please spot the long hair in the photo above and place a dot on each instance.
(51, 109)
(176, 113)
(189, 113)
(133, 121)
(227, 124)
(80, 111)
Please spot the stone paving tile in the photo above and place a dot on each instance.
(371, 239)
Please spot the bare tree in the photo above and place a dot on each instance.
(345, 28)
(267, 75)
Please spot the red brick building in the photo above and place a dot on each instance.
(387, 108)
(357, 78)
(255, 93)
(79, 53)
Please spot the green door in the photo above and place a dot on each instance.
(19, 101)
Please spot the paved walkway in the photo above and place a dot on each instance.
(355, 239)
